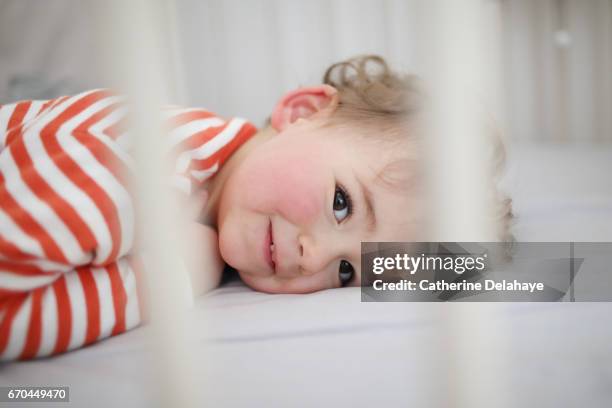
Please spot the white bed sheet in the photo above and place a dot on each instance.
(330, 349)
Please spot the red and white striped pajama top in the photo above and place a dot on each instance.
(68, 267)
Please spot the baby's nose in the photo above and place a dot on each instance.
(313, 258)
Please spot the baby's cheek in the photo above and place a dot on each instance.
(299, 191)
(297, 202)
(292, 182)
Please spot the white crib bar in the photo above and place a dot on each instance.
(141, 37)
(458, 73)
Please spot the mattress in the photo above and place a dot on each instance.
(330, 349)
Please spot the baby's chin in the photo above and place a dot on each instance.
(264, 284)
(272, 284)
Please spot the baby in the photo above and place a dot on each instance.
(293, 204)
(286, 206)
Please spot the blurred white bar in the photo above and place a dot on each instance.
(142, 41)
(459, 72)
(461, 77)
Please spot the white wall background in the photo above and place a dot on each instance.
(558, 60)
(238, 57)
(245, 54)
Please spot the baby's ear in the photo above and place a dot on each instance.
(304, 103)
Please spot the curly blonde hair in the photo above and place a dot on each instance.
(372, 95)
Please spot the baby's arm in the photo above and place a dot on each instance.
(204, 264)
(202, 257)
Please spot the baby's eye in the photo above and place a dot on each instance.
(342, 204)
(345, 272)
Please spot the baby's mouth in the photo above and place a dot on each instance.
(269, 249)
(272, 253)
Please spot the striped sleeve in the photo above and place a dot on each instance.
(14, 115)
(80, 307)
(200, 142)
(68, 275)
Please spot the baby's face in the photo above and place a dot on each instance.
(294, 212)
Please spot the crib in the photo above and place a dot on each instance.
(237, 347)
